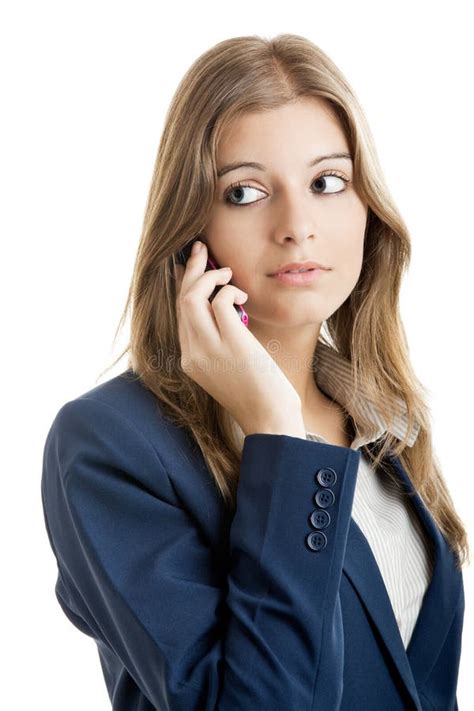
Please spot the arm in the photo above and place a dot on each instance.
(140, 577)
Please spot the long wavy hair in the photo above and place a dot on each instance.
(251, 73)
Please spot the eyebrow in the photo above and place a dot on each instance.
(259, 166)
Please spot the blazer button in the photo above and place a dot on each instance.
(316, 540)
(326, 477)
(320, 519)
(324, 498)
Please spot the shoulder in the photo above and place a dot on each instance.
(113, 446)
(124, 395)
(119, 422)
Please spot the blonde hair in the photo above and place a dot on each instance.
(236, 76)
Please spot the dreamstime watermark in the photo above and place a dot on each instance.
(170, 362)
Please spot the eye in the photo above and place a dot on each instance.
(324, 180)
(240, 188)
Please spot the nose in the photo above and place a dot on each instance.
(297, 233)
(295, 223)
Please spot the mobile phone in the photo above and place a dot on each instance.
(183, 256)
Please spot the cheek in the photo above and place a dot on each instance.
(347, 239)
(248, 276)
(244, 260)
(347, 264)
(348, 256)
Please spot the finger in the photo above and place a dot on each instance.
(195, 265)
(195, 308)
(197, 287)
(226, 316)
(201, 282)
(191, 271)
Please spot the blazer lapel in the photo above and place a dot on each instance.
(441, 597)
(362, 570)
(439, 602)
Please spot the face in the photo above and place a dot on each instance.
(287, 211)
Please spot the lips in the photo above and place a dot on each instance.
(297, 271)
(297, 266)
(295, 279)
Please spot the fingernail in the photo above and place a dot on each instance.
(196, 247)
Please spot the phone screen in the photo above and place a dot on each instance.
(183, 256)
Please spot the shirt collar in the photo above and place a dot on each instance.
(333, 374)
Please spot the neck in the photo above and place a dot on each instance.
(292, 349)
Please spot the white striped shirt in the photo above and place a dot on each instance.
(393, 531)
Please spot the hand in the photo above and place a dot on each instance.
(223, 356)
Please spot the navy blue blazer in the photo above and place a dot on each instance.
(195, 610)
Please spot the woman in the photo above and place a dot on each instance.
(252, 515)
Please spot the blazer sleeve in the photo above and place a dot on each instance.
(140, 578)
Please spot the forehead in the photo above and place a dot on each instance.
(304, 128)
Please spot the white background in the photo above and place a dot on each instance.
(85, 87)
